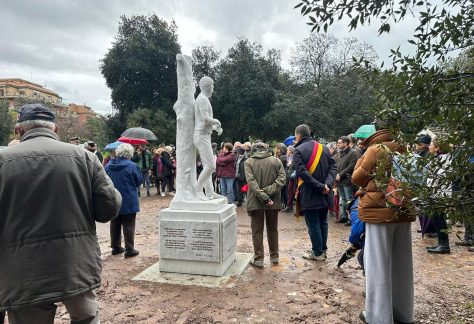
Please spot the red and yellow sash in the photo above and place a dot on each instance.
(313, 161)
(311, 167)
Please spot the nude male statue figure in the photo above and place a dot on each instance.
(204, 124)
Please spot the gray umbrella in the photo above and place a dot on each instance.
(139, 132)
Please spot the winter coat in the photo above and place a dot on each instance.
(284, 162)
(158, 168)
(138, 159)
(167, 165)
(266, 177)
(225, 165)
(241, 170)
(127, 178)
(52, 193)
(373, 204)
(441, 163)
(345, 165)
(311, 195)
(357, 226)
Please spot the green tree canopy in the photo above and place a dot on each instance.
(159, 123)
(140, 68)
(323, 90)
(6, 123)
(205, 60)
(245, 89)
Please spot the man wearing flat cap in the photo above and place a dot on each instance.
(92, 147)
(74, 140)
(52, 195)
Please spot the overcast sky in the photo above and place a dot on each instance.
(58, 43)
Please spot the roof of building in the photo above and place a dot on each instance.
(20, 83)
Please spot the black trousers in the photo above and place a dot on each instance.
(239, 194)
(236, 190)
(127, 222)
(168, 180)
(284, 195)
(439, 222)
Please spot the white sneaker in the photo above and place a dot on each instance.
(311, 256)
(172, 193)
(162, 194)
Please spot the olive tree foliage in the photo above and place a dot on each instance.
(431, 87)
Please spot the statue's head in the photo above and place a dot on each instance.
(207, 86)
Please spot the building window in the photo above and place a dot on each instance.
(1, 93)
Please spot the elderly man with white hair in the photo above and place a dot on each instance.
(127, 179)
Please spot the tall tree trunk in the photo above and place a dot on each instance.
(185, 150)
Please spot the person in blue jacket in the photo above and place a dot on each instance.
(127, 179)
(356, 238)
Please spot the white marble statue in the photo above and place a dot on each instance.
(204, 124)
(185, 150)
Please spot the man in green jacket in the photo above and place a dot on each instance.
(266, 177)
(52, 193)
(144, 159)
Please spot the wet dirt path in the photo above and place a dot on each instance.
(296, 291)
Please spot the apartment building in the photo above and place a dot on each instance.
(14, 88)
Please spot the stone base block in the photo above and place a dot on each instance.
(227, 280)
(204, 205)
(198, 242)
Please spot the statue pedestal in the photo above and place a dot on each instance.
(198, 238)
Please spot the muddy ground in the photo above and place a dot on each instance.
(296, 291)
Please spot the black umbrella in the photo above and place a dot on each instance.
(141, 133)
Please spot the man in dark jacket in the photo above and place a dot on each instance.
(92, 147)
(266, 176)
(314, 192)
(345, 166)
(144, 159)
(167, 172)
(48, 244)
(240, 175)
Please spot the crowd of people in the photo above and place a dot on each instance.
(306, 178)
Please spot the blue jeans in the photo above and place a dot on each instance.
(227, 188)
(317, 223)
(345, 195)
(146, 179)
